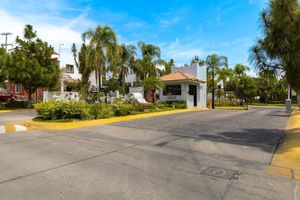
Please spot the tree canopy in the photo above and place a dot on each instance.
(30, 63)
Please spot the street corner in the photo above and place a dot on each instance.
(10, 128)
(286, 159)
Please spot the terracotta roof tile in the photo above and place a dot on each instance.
(179, 75)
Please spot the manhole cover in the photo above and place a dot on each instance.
(220, 173)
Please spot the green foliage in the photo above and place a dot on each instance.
(30, 64)
(123, 109)
(278, 49)
(101, 111)
(62, 110)
(3, 65)
(16, 104)
(152, 83)
(176, 104)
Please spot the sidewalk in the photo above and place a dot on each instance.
(286, 160)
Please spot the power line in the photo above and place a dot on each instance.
(6, 44)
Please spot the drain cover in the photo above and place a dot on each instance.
(220, 173)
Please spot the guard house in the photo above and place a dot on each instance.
(186, 84)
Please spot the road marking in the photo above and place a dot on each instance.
(20, 128)
(2, 129)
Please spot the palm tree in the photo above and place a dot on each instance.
(215, 62)
(223, 75)
(123, 62)
(146, 66)
(103, 41)
(240, 69)
(151, 84)
(167, 67)
(196, 59)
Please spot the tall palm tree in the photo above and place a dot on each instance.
(103, 40)
(146, 66)
(240, 69)
(223, 75)
(125, 56)
(215, 62)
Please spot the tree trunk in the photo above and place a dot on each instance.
(213, 89)
(29, 102)
(123, 84)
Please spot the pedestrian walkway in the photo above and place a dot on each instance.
(287, 157)
(12, 128)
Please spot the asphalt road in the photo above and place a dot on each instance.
(200, 155)
(16, 116)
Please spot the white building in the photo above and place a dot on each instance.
(187, 84)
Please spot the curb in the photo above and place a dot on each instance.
(80, 124)
(286, 159)
(13, 128)
(15, 110)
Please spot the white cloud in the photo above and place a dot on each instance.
(181, 52)
(53, 29)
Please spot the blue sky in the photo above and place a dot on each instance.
(182, 28)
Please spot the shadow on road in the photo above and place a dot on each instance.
(265, 139)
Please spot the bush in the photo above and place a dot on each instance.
(101, 111)
(123, 109)
(62, 110)
(176, 104)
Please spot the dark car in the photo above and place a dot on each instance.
(6, 96)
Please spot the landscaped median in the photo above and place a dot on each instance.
(286, 160)
(85, 123)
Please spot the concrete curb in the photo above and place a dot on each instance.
(13, 128)
(80, 124)
(17, 110)
(286, 160)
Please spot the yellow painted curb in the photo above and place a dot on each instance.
(230, 108)
(80, 124)
(10, 128)
(287, 156)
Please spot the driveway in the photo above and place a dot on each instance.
(16, 116)
(200, 155)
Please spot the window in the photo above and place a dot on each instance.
(18, 88)
(70, 69)
(172, 90)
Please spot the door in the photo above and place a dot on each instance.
(193, 92)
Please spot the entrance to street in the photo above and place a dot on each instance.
(193, 91)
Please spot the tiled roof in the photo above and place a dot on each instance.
(180, 76)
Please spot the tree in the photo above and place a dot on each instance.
(30, 64)
(278, 49)
(146, 66)
(152, 83)
(167, 67)
(103, 41)
(196, 59)
(223, 75)
(240, 69)
(215, 62)
(125, 57)
(3, 66)
(85, 63)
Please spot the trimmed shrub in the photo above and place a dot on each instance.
(123, 109)
(62, 110)
(176, 104)
(16, 104)
(101, 111)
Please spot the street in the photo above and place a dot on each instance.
(209, 155)
(16, 116)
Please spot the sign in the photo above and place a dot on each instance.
(136, 90)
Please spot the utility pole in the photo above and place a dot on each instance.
(213, 88)
(6, 44)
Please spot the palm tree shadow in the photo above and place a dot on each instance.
(265, 139)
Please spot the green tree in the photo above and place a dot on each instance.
(214, 63)
(167, 67)
(103, 41)
(30, 64)
(85, 63)
(196, 59)
(278, 49)
(3, 66)
(223, 75)
(240, 69)
(146, 66)
(125, 57)
(151, 84)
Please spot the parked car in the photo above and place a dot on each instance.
(6, 96)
